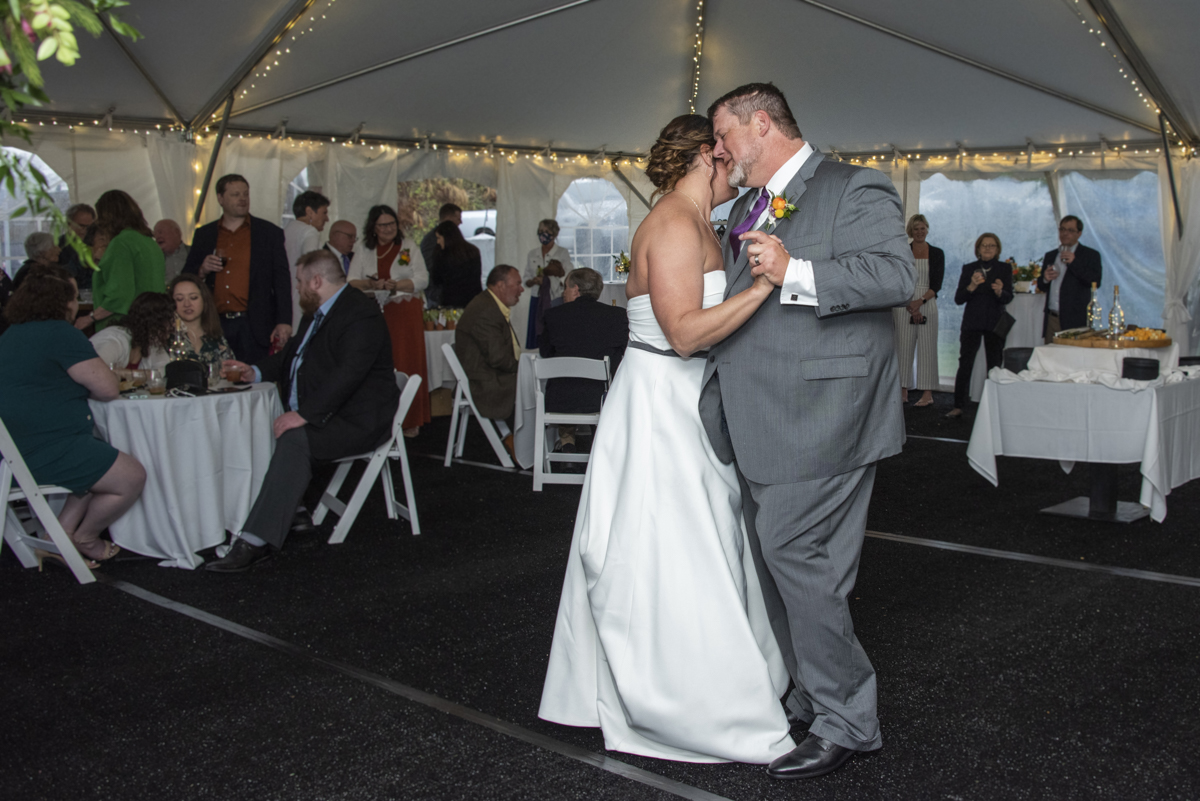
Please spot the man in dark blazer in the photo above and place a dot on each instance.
(586, 329)
(488, 349)
(1068, 273)
(251, 280)
(336, 380)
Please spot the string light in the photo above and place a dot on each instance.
(1123, 69)
(283, 47)
(697, 49)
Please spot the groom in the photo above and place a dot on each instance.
(803, 397)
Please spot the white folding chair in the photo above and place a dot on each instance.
(543, 371)
(459, 417)
(378, 465)
(22, 536)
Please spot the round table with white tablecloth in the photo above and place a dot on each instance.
(205, 461)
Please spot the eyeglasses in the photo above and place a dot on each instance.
(1062, 229)
(384, 225)
(343, 233)
(988, 246)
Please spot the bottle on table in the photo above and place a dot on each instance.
(1095, 319)
(179, 347)
(1116, 316)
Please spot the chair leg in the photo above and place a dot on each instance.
(374, 465)
(409, 496)
(335, 486)
(389, 490)
(454, 421)
(494, 439)
(540, 465)
(463, 424)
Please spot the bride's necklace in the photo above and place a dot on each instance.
(707, 224)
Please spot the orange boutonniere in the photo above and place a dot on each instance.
(780, 208)
(405, 256)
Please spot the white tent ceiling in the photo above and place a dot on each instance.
(610, 73)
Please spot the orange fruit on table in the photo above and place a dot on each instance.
(779, 203)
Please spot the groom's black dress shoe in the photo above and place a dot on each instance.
(303, 521)
(814, 756)
(241, 557)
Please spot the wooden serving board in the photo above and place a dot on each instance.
(1119, 344)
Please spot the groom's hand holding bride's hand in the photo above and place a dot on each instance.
(767, 256)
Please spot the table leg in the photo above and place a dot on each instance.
(1101, 503)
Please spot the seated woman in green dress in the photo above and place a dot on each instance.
(50, 370)
(194, 306)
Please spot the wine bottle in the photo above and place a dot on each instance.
(1116, 316)
(179, 347)
(1094, 319)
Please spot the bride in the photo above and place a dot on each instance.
(662, 638)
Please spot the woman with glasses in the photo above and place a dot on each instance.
(985, 287)
(391, 261)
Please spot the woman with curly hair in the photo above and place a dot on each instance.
(50, 371)
(133, 262)
(662, 637)
(140, 342)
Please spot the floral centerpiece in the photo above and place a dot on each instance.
(621, 265)
(441, 319)
(1024, 276)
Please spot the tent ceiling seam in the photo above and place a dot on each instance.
(272, 38)
(409, 57)
(1141, 67)
(979, 65)
(137, 65)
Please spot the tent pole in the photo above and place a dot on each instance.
(212, 162)
(1162, 124)
(629, 183)
(137, 65)
(1141, 67)
(408, 57)
(979, 65)
(265, 43)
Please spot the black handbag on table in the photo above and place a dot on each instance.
(188, 375)
(1004, 324)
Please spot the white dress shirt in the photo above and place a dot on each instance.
(1056, 284)
(799, 284)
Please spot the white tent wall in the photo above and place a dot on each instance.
(1182, 255)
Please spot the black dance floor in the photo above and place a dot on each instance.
(406, 667)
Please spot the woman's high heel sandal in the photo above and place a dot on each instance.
(42, 556)
(107, 550)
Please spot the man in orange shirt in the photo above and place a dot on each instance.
(244, 261)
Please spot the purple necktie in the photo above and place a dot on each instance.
(746, 224)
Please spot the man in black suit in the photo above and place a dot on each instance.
(250, 278)
(585, 328)
(336, 380)
(1068, 273)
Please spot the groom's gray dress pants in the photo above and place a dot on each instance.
(805, 539)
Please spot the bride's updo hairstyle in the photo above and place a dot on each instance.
(676, 149)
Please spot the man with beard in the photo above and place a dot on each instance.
(336, 381)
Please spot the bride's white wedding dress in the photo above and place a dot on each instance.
(662, 637)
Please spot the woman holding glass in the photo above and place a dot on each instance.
(985, 287)
(391, 261)
(50, 372)
(548, 259)
(195, 308)
(917, 321)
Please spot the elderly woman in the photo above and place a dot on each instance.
(457, 267)
(195, 308)
(140, 342)
(917, 321)
(985, 286)
(50, 372)
(393, 262)
(133, 262)
(40, 249)
(551, 259)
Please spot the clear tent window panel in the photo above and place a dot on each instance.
(1017, 210)
(13, 230)
(1120, 214)
(594, 219)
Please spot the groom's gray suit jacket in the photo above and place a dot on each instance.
(809, 392)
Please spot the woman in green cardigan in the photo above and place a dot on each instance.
(132, 264)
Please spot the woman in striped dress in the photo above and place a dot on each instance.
(917, 321)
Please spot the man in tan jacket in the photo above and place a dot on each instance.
(488, 348)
